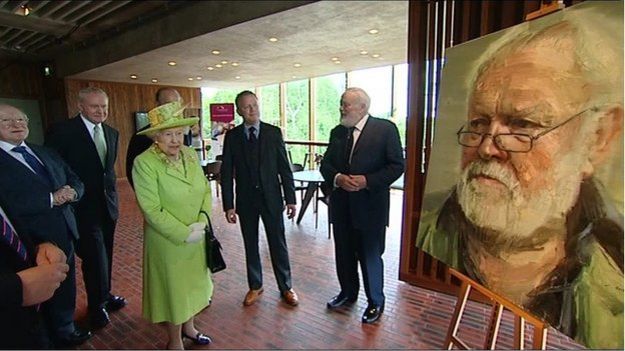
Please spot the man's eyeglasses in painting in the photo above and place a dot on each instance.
(511, 142)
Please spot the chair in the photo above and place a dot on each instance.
(212, 171)
(296, 167)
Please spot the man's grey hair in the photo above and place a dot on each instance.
(363, 97)
(82, 94)
(598, 50)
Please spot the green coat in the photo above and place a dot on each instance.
(176, 282)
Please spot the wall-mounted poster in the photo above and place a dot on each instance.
(524, 191)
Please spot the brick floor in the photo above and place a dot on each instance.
(414, 318)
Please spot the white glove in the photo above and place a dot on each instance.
(194, 237)
(196, 232)
(197, 226)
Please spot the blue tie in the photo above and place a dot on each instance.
(33, 163)
(11, 238)
(252, 135)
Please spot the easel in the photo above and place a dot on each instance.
(539, 341)
(546, 7)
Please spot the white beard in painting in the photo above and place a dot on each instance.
(510, 213)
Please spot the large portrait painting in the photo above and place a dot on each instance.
(524, 191)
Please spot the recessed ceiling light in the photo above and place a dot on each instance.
(198, 78)
(337, 61)
(293, 77)
(334, 59)
(297, 65)
(373, 31)
(273, 39)
(210, 68)
(215, 52)
(154, 80)
(171, 63)
(224, 62)
(237, 77)
(363, 52)
(133, 76)
(235, 64)
(375, 55)
(218, 65)
(190, 78)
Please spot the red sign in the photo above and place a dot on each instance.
(222, 112)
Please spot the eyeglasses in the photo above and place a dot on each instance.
(511, 142)
(9, 121)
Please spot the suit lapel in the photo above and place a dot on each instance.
(8, 162)
(83, 133)
(47, 163)
(362, 139)
(264, 141)
(110, 145)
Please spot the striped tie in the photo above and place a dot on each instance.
(11, 238)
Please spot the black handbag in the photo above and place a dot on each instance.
(214, 259)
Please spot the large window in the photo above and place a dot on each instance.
(213, 96)
(297, 116)
(269, 97)
(328, 90)
(400, 99)
(306, 120)
(377, 82)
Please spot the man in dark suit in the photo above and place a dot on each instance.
(363, 159)
(38, 188)
(29, 275)
(254, 153)
(90, 148)
(139, 143)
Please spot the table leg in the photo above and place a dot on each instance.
(308, 195)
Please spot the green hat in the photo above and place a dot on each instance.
(168, 116)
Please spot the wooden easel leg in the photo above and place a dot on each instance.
(461, 303)
(493, 327)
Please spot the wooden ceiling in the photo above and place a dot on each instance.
(52, 26)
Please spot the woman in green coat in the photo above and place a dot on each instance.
(172, 191)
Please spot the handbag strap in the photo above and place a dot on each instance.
(210, 226)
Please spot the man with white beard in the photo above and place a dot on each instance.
(526, 218)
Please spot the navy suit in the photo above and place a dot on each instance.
(259, 194)
(97, 212)
(20, 327)
(360, 218)
(27, 196)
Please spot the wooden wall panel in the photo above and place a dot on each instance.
(20, 80)
(124, 100)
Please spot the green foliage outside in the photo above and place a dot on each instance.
(328, 90)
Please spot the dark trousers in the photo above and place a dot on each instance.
(366, 246)
(95, 248)
(58, 311)
(274, 229)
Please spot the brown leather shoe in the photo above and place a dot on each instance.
(290, 297)
(252, 296)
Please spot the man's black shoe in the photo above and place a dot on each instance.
(340, 300)
(115, 303)
(76, 338)
(372, 313)
(98, 318)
